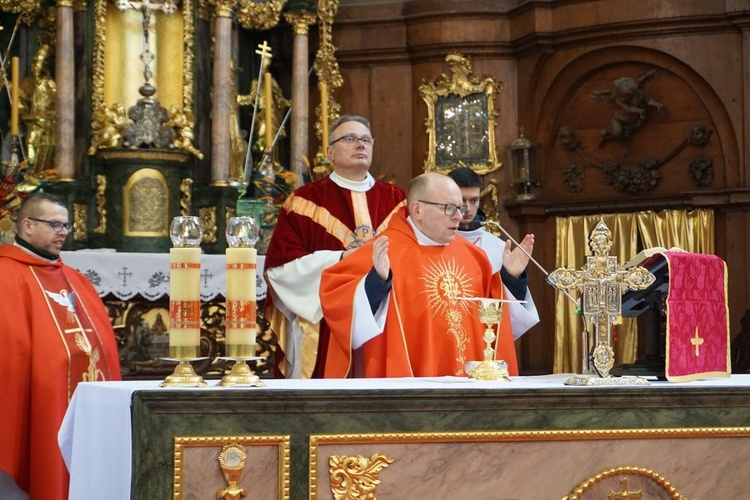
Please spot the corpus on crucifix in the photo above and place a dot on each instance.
(602, 282)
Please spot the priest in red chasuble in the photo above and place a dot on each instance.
(394, 306)
(318, 224)
(56, 333)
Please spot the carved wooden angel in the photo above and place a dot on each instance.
(631, 102)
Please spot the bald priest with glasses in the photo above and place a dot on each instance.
(318, 225)
(394, 307)
(56, 333)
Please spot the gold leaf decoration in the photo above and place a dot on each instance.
(357, 476)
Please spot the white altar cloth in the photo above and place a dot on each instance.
(126, 274)
(96, 441)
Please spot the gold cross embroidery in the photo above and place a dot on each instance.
(697, 341)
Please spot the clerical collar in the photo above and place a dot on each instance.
(361, 186)
(422, 238)
(29, 248)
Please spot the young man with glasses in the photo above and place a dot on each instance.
(56, 333)
(509, 262)
(395, 307)
(319, 224)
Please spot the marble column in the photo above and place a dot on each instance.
(222, 93)
(65, 96)
(300, 119)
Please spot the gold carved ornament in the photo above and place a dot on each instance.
(300, 21)
(326, 66)
(27, 9)
(80, 221)
(187, 196)
(453, 129)
(259, 15)
(101, 201)
(357, 476)
(623, 473)
(207, 216)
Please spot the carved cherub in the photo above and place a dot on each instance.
(106, 127)
(182, 121)
(631, 103)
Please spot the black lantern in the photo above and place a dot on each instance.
(522, 157)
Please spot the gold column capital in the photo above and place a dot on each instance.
(301, 21)
(64, 3)
(223, 8)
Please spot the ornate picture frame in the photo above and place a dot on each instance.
(461, 119)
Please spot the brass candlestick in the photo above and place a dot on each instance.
(491, 314)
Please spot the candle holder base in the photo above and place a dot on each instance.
(184, 376)
(241, 375)
(490, 370)
(593, 380)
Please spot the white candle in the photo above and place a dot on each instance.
(184, 302)
(241, 302)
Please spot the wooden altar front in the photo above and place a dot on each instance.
(433, 438)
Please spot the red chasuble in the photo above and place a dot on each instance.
(324, 216)
(56, 333)
(428, 331)
(697, 317)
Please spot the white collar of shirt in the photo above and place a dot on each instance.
(474, 235)
(361, 186)
(422, 239)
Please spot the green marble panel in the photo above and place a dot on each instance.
(158, 416)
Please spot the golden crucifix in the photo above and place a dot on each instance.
(602, 283)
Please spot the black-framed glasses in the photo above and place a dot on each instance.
(352, 139)
(449, 209)
(56, 225)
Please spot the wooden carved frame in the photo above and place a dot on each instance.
(461, 119)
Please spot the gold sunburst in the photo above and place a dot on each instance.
(446, 282)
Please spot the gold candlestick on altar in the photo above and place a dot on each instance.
(14, 97)
(491, 314)
(240, 321)
(184, 301)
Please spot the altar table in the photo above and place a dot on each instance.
(531, 438)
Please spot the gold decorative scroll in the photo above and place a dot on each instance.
(101, 202)
(208, 222)
(28, 9)
(80, 222)
(259, 15)
(326, 66)
(461, 119)
(357, 476)
(187, 196)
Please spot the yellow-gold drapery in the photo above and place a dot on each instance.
(692, 231)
